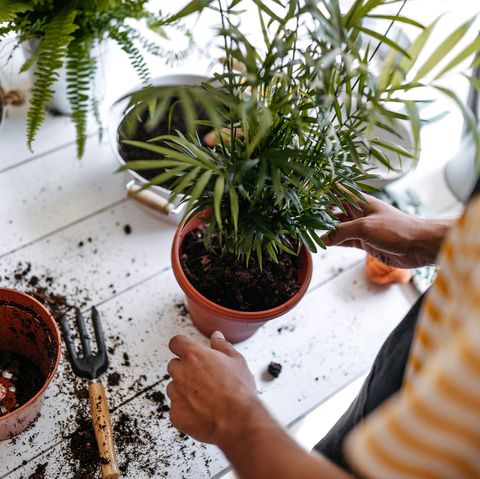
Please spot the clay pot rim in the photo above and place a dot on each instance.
(233, 314)
(57, 337)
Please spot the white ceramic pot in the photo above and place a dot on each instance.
(156, 197)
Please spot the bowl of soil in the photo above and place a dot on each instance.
(133, 118)
(225, 295)
(30, 348)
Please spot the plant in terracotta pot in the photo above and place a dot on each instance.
(63, 36)
(296, 130)
(29, 355)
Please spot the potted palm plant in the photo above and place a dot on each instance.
(298, 122)
(60, 39)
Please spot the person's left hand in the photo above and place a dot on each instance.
(211, 388)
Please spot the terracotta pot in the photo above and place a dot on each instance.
(27, 328)
(208, 316)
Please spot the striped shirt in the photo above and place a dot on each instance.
(431, 427)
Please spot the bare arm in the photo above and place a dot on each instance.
(214, 400)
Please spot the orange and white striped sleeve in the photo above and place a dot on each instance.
(431, 427)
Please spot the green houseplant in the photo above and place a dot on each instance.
(298, 121)
(64, 34)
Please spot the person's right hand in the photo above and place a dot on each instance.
(389, 235)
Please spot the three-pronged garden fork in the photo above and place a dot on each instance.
(92, 366)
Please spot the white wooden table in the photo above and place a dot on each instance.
(50, 203)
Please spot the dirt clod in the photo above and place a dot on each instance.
(39, 472)
(274, 369)
(113, 379)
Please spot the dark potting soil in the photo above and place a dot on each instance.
(39, 472)
(274, 369)
(44, 288)
(166, 126)
(20, 380)
(226, 281)
(113, 379)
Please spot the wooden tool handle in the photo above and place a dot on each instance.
(103, 430)
(149, 199)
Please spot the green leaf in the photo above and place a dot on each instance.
(442, 50)
(51, 55)
(468, 116)
(199, 187)
(415, 124)
(468, 51)
(414, 51)
(234, 208)
(398, 18)
(384, 39)
(308, 241)
(193, 7)
(9, 10)
(217, 198)
(181, 186)
(271, 252)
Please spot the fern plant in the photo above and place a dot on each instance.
(66, 33)
(299, 119)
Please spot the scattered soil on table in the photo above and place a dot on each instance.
(158, 398)
(46, 289)
(113, 379)
(226, 281)
(274, 369)
(133, 431)
(82, 452)
(171, 122)
(39, 472)
(20, 380)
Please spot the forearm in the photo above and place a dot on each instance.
(259, 448)
(430, 237)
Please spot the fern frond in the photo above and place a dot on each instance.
(170, 56)
(6, 30)
(122, 37)
(9, 10)
(81, 69)
(52, 50)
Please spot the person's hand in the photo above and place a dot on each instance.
(211, 388)
(389, 235)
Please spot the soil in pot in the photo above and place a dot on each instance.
(226, 281)
(173, 121)
(20, 380)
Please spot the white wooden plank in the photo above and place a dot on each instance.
(51, 192)
(57, 131)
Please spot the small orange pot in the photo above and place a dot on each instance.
(208, 316)
(27, 328)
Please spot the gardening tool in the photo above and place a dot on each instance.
(92, 366)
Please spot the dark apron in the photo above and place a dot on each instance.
(385, 379)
